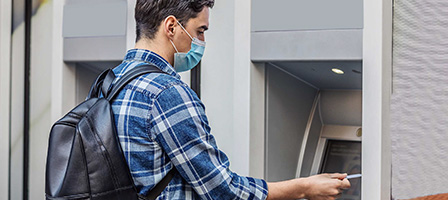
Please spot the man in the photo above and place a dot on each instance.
(162, 124)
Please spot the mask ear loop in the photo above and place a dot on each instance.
(172, 43)
(174, 46)
(185, 30)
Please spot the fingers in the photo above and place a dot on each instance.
(328, 186)
(337, 196)
(345, 184)
(335, 192)
(338, 176)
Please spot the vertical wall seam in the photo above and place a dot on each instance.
(9, 102)
(28, 15)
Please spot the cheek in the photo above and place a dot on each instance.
(183, 43)
(185, 46)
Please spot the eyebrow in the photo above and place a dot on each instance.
(204, 27)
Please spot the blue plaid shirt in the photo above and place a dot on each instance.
(162, 124)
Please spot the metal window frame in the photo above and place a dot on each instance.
(195, 81)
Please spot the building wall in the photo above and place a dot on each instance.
(420, 92)
(217, 76)
(40, 97)
(226, 75)
(5, 91)
(287, 15)
(288, 105)
(17, 101)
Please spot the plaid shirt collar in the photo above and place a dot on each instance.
(143, 55)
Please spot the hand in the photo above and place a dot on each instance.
(326, 186)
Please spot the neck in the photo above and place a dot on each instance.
(158, 47)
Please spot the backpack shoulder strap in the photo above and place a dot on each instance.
(129, 76)
(158, 189)
(100, 82)
(123, 81)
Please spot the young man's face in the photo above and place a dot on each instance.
(195, 27)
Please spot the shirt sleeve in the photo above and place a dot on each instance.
(181, 128)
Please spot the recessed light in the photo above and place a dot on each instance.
(337, 71)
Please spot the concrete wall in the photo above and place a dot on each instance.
(40, 97)
(226, 74)
(17, 101)
(288, 106)
(420, 92)
(324, 30)
(5, 91)
(287, 15)
(341, 107)
(257, 120)
(217, 76)
(376, 85)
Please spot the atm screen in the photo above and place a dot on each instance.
(344, 157)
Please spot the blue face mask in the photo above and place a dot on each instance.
(187, 61)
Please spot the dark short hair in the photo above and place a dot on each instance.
(149, 14)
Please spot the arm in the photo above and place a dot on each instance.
(323, 186)
(181, 128)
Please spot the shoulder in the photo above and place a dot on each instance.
(178, 93)
(153, 84)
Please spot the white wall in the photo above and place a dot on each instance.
(242, 84)
(17, 111)
(5, 69)
(40, 97)
(257, 120)
(341, 107)
(289, 102)
(377, 61)
(287, 15)
(226, 80)
(217, 76)
(419, 102)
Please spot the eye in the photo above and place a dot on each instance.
(201, 32)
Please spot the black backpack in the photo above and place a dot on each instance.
(85, 159)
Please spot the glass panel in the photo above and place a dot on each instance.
(344, 156)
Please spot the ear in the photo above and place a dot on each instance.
(169, 26)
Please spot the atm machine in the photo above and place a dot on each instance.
(312, 72)
(313, 120)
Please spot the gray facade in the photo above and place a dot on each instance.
(419, 121)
